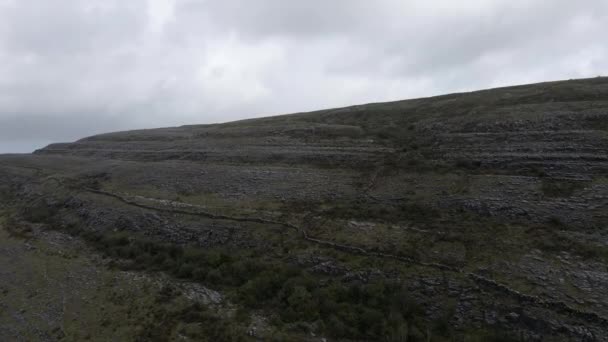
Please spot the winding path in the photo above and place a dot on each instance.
(556, 306)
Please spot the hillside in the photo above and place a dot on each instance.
(467, 217)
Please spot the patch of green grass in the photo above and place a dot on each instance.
(209, 201)
(559, 188)
(550, 240)
(367, 210)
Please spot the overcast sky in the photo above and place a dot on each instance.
(72, 68)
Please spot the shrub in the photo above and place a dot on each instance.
(199, 274)
(380, 310)
(303, 304)
(468, 164)
(39, 212)
(559, 188)
(185, 271)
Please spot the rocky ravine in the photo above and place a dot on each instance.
(489, 207)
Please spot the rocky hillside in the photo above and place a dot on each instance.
(469, 217)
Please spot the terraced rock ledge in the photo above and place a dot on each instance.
(466, 217)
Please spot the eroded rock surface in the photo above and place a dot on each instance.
(489, 207)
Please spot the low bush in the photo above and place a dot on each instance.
(380, 310)
(468, 164)
(559, 188)
(382, 212)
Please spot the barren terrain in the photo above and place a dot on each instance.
(466, 217)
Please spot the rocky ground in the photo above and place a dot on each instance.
(488, 209)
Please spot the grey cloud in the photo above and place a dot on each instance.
(456, 40)
(66, 27)
(66, 127)
(71, 68)
(277, 18)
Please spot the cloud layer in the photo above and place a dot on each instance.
(72, 68)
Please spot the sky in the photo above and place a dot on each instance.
(74, 68)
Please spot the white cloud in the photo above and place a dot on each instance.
(160, 13)
(70, 68)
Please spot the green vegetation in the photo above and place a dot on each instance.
(194, 321)
(559, 188)
(70, 298)
(370, 210)
(297, 300)
(16, 228)
(550, 240)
